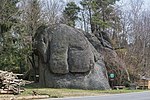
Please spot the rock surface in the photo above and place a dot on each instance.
(67, 59)
(113, 63)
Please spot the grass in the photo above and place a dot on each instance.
(58, 93)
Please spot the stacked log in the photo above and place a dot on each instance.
(9, 83)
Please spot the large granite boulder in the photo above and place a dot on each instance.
(68, 60)
(113, 63)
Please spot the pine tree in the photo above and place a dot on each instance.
(99, 13)
(8, 10)
(71, 13)
(13, 49)
(9, 54)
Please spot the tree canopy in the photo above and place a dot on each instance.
(71, 13)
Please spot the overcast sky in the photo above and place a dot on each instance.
(146, 2)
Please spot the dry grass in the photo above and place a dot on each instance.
(57, 93)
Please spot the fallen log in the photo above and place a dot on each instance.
(6, 91)
(31, 97)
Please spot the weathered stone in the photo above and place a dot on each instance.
(113, 63)
(69, 60)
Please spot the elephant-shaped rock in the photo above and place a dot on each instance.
(68, 60)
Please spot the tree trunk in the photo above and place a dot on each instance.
(84, 22)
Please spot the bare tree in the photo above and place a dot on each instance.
(52, 10)
(31, 20)
(135, 26)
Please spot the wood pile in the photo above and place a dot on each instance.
(9, 83)
(18, 97)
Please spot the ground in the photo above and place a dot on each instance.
(60, 93)
(57, 93)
